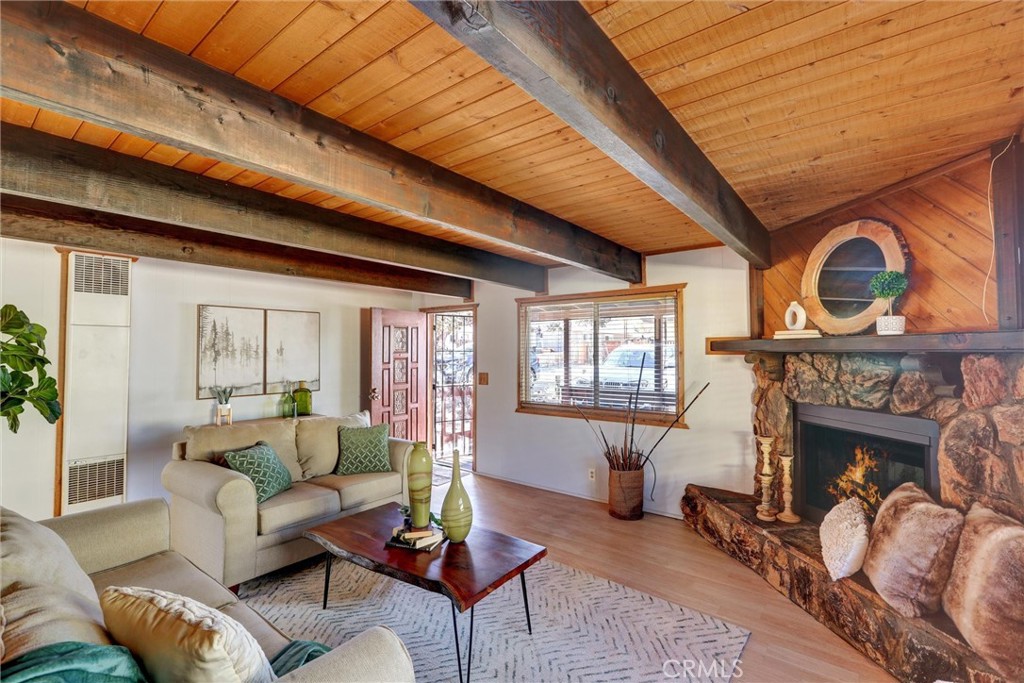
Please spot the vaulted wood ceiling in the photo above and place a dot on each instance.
(801, 106)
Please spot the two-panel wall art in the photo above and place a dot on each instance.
(256, 350)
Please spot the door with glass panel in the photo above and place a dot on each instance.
(454, 383)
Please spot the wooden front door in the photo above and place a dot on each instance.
(394, 370)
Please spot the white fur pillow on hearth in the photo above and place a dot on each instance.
(844, 538)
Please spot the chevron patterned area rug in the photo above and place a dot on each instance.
(584, 628)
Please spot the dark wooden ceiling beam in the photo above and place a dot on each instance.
(67, 172)
(557, 53)
(33, 220)
(67, 60)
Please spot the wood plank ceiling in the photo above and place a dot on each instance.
(802, 106)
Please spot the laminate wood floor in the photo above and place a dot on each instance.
(663, 557)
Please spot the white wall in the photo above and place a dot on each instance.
(162, 372)
(30, 280)
(546, 452)
(555, 453)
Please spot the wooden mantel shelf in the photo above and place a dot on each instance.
(952, 342)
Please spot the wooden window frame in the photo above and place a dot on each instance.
(595, 413)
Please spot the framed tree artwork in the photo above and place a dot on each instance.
(293, 350)
(231, 344)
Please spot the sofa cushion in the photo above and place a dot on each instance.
(299, 503)
(363, 449)
(210, 441)
(985, 593)
(910, 554)
(260, 463)
(167, 571)
(180, 639)
(46, 596)
(362, 489)
(316, 440)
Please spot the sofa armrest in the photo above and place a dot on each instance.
(398, 452)
(112, 536)
(376, 654)
(213, 518)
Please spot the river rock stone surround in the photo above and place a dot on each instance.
(977, 400)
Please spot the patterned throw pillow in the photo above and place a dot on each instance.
(363, 449)
(261, 464)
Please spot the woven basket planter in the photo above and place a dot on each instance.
(626, 494)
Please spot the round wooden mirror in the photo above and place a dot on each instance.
(835, 282)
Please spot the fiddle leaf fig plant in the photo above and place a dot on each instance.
(23, 377)
(888, 284)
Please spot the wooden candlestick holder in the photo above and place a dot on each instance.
(787, 515)
(766, 511)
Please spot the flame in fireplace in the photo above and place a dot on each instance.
(853, 482)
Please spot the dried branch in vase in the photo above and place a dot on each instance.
(629, 456)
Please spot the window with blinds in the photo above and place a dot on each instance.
(600, 352)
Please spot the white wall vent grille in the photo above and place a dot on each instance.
(95, 480)
(101, 275)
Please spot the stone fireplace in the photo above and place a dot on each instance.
(842, 453)
(951, 421)
(976, 402)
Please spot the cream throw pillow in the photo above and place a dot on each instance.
(844, 539)
(181, 640)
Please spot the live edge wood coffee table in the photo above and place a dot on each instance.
(466, 572)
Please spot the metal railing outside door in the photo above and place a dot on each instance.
(454, 384)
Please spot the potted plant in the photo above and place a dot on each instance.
(626, 462)
(889, 284)
(223, 395)
(21, 354)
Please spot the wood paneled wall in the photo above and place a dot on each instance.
(945, 221)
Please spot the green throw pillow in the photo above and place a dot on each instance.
(363, 449)
(261, 464)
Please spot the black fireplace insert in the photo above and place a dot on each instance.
(843, 453)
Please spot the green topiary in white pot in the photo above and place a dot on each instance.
(889, 284)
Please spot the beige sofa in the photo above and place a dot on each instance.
(47, 597)
(215, 520)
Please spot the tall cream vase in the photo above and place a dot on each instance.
(421, 474)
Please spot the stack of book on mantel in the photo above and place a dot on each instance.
(798, 334)
(415, 539)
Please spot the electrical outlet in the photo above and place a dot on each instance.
(592, 474)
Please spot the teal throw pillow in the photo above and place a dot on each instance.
(261, 464)
(363, 449)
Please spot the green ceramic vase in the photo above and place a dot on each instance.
(421, 474)
(456, 510)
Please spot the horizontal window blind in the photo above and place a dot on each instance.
(598, 353)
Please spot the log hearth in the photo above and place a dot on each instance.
(788, 557)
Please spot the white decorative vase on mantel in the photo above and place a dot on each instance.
(890, 324)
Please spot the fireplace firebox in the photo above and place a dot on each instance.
(843, 453)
